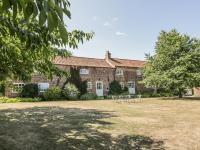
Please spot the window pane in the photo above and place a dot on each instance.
(17, 87)
(84, 71)
(89, 85)
(43, 86)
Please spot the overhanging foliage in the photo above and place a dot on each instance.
(32, 34)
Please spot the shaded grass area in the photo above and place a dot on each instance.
(57, 128)
(184, 98)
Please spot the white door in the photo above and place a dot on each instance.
(99, 88)
(131, 87)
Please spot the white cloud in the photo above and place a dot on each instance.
(115, 19)
(111, 22)
(118, 33)
(107, 24)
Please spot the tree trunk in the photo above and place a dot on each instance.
(155, 90)
(180, 94)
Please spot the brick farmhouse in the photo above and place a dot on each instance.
(98, 73)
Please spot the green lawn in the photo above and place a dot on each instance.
(100, 125)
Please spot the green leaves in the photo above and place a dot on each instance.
(176, 62)
(42, 17)
(52, 21)
(6, 5)
(32, 33)
(49, 13)
(63, 33)
(29, 10)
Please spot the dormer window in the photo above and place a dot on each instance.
(138, 72)
(119, 72)
(84, 71)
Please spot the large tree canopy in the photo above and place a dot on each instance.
(176, 63)
(32, 34)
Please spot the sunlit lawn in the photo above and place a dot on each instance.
(101, 125)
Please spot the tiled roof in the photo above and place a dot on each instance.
(126, 62)
(101, 63)
(82, 61)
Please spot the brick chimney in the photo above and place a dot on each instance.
(108, 55)
(108, 58)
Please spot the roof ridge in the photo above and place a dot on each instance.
(129, 59)
(87, 57)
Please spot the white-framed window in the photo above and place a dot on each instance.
(89, 85)
(84, 71)
(99, 86)
(17, 87)
(131, 84)
(122, 85)
(43, 87)
(138, 72)
(119, 72)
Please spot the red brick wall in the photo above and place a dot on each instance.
(106, 75)
(99, 74)
(130, 75)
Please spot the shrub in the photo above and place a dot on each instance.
(100, 98)
(18, 99)
(88, 96)
(70, 91)
(76, 80)
(115, 88)
(53, 93)
(163, 94)
(30, 90)
(2, 88)
(125, 89)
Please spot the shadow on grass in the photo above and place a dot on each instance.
(55, 128)
(184, 98)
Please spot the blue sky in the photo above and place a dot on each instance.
(129, 28)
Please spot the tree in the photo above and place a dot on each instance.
(176, 63)
(151, 76)
(32, 34)
(115, 88)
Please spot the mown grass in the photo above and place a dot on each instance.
(101, 125)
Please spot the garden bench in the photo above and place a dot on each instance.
(125, 98)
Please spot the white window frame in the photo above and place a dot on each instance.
(131, 84)
(138, 72)
(17, 90)
(84, 71)
(119, 72)
(89, 85)
(44, 85)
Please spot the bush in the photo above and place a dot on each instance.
(53, 93)
(88, 96)
(148, 95)
(70, 91)
(100, 97)
(30, 90)
(125, 89)
(2, 88)
(77, 81)
(115, 88)
(18, 99)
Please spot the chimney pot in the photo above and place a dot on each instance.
(108, 55)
